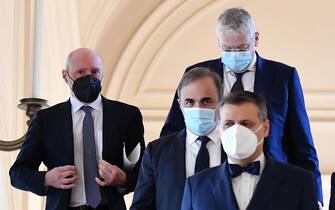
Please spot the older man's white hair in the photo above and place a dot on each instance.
(236, 21)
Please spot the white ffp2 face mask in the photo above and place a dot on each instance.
(239, 141)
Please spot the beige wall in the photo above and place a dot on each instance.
(146, 45)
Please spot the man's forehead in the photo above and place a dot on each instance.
(245, 110)
(85, 56)
(229, 36)
(197, 90)
(86, 61)
(188, 97)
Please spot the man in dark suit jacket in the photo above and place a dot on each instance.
(248, 179)
(290, 139)
(58, 137)
(169, 160)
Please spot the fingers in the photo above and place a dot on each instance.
(63, 177)
(68, 176)
(111, 174)
(106, 176)
(67, 181)
(68, 173)
(108, 168)
(105, 170)
(104, 164)
(101, 182)
(67, 168)
(67, 186)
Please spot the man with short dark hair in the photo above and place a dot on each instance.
(169, 160)
(248, 179)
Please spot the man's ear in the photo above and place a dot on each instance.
(266, 128)
(179, 102)
(64, 75)
(219, 43)
(256, 38)
(218, 115)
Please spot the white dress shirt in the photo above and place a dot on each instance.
(78, 196)
(248, 78)
(193, 147)
(245, 184)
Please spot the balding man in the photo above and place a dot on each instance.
(81, 143)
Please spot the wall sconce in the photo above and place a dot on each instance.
(31, 106)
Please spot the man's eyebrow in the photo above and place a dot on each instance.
(207, 99)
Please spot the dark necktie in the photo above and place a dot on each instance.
(92, 189)
(252, 168)
(238, 85)
(202, 161)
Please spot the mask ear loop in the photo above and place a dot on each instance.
(260, 126)
(68, 74)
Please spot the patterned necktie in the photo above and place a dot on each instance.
(202, 161)
(238, 85)
(92, 189)
(252, 168)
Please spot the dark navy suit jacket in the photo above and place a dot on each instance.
(280, 187)
(290, 139)
(162, 175)
(50, 140)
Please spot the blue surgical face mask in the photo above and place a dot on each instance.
(200, 121)
(236, 61)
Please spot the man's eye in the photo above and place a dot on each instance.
(188, 102)
(95, 71)
(248, 125)
(207, 102)
(227, 50)
(228, 124)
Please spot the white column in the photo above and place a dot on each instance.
(36, 50)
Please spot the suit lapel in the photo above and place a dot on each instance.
(66, 128)
(222, 189)
(178, 160)
(217, 67)
(263, 78)
(223, 155)
(111, 133)
(268, 183)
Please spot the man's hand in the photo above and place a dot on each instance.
(110, 175)
(63, 177)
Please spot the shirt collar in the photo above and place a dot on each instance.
(76, 104)
(251, 67)
(192, 137)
